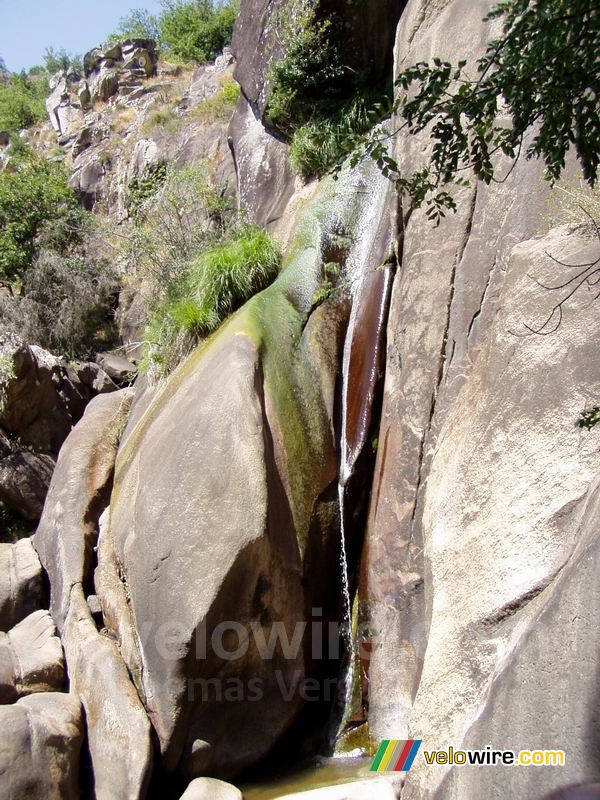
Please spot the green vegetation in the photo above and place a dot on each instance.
(215, 283)
(138, 24)
(186, 30)
(220, 106)
(589, 419)
(144, 188)
(542, 71)
(65, 302)
(22, 101)
(37, 209)
(318, 102)
(164, 118)
(331, 271)
(198, 262)
(60, 286)
(196, 30)
(58, 60)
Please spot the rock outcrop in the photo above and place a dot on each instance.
(115, 68)
(41, 398)
(479, 500)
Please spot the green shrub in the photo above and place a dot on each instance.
(220, 106)
(310, 81)
(145, 187)
(316, 101)
(37, 208)
(216, 282)
(317, 146)
(22, 102)
(195, 30)
(64, 304)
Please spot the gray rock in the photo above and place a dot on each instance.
(104, 84)
(112, 52)
(369, 29)
(265, 178)
(78, 494)
(39, 748)
(211, 789)
(24, 481)
(31, 658)
(242, 514)
(43, 399)
(531, 713)
(88, 178)
(93, 376)
(84, 95)
(118, 729)
(120, 369)
(21, 584)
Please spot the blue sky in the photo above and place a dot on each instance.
(27, 27)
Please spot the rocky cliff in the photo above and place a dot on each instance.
(376, 497)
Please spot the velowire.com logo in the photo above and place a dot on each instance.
(395, 755)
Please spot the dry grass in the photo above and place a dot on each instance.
(122, 119)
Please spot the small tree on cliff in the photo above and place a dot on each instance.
(543, 73)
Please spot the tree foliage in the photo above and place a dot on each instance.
(58, 60)
(540, 77)
(196, 30)
(37, 208)
(22, 101)
(138, 24)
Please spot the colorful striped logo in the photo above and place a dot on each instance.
(395, 755)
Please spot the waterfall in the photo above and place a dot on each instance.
(369, 279)
(347, 629)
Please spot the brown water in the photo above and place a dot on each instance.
(327, 772)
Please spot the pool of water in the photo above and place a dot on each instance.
(325, 772)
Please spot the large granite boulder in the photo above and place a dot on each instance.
(482, 473)
(43, 395)
(211, 789)
(236, 535)
(118, 730)
(79, 492)
(39, 748)
(265, 179)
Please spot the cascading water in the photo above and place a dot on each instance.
(369, 281)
